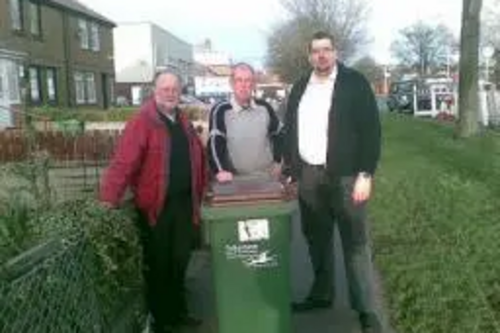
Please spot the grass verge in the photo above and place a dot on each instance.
(436, 216)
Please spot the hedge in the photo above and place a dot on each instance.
(99, 115)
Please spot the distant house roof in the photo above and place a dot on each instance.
(79, 8)
(220, 70)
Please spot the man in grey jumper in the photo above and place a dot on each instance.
(245, 134)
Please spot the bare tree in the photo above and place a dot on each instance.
(345, 19)
(370, 69)
(424, 48)
(468, 100)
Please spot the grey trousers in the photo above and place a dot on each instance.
(324, 203)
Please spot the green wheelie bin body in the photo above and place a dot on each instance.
(251, 260)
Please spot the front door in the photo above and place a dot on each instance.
(105, 90)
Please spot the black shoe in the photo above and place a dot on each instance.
(311, 304)
(370, 323)
(162, 329)
(189, 321)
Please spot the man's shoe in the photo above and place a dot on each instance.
(311, 304)
(370, 323)
(163, 329)
(189, 321)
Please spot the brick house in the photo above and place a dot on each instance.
(60, 49)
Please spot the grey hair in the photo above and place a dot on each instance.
(169, 72)
(242, 65)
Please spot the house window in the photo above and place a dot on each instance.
(83, 30)
(34, 85)
(2, 88)
(80, 88)
(85, 88)
(51, 81)
(42, 84)
(95, 43)
(9, 81)
(89, 35)
(35, 18)
(91, 89)
(16, 14)
(13, 82)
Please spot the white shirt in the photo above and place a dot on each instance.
(313, 114)
(238, 108)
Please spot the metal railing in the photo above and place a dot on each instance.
(51, 288)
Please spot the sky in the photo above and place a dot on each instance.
(240, 27)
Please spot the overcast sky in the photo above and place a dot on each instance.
(241, 26)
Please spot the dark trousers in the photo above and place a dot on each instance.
(324, 203)
(167, 250)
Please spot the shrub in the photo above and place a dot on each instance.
(112, 236)
(112, 115)
(15, 234)
(446, 117)
(29, 218)
(84, 115)
(25, 192)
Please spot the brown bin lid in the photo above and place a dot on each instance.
(247, 190)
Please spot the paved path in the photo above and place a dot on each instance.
(339, 319)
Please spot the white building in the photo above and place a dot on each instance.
(214, 80)
(142, 49)
(212, 58)
(205, 55)
(206, 86)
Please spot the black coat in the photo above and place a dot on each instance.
(354, 135)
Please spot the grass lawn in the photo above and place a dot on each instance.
(436, 228)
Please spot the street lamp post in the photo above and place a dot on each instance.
(488, 52)
(448, 61)
(387, 75)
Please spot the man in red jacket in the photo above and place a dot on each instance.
(160, 157)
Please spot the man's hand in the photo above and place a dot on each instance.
(275, 170)
(224, 176)
(362, 188)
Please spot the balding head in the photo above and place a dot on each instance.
(167, 91)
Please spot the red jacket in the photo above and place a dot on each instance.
(140, 161)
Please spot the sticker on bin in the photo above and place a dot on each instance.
(253, 230)
(262, 260)
(241, 251)
(251, 256)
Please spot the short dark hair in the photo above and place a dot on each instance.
(242, 65)
(321, 35)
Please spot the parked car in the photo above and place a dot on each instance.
(188, 100)
(402, 93)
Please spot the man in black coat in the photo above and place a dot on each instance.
(332, 139)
